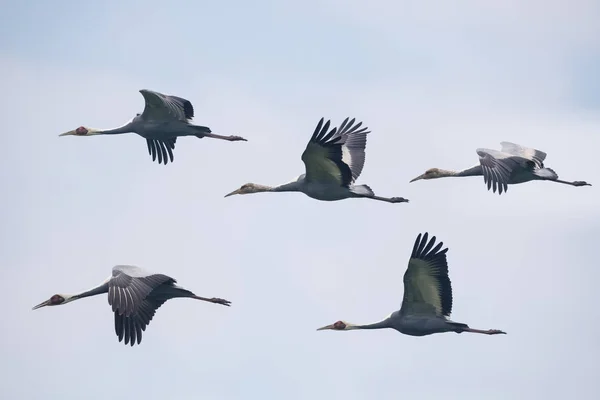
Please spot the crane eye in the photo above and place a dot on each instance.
(56, 299)
(81, 131)
(339, 325)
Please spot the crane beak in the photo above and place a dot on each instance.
(68, 133)
(417, 178)
(237, 191)
(326, 327)
(45, 303)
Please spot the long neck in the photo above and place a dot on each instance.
(473, 171)
(287, 187)
(377, 325)
(122, 129)
(103, 288)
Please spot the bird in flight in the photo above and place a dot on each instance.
(333, 159)
(134, 295)
(165, 118)
(427, 301)
(511, 165)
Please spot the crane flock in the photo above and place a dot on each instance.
(334, 159)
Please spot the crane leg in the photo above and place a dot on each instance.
(487, 332)
(230, 138)
(213, 300)
(575, 183)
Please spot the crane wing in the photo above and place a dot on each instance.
(160, 148)
(129, 286)
(135, 296)
(427, 287)
(130, 328)
(498, 168)
(165, 107)
(528, 153)
(337, 156)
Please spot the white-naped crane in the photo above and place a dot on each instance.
(511, 165)
(333, 160)
(134, 295)
(165, 118)
(427, 301)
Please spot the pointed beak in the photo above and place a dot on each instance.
(417, 178)
(67, 133)
(237, 191)
(45, 303)
(325, 327)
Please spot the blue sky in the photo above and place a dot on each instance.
(433, 82)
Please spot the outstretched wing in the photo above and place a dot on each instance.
(166, 107)
(427, 287)
(498, 167)
(528, 153)
(336, 156)
(129, 292)
(161, 148)
(131, 328)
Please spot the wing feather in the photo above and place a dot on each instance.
(537, 156)
(498, 167)
(135, 296)
(166, 107)
(335, 156)
(427, 286)
(161, 148)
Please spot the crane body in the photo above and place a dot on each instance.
(134, 295)
(512, 165)
(164, 119)
(334, 159)
(427, 301)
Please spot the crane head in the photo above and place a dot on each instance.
(338, 326)
(431, 173)
(55, 300)
(82, 131)
(249, 188)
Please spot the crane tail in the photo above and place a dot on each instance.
(458, 326)
(200, 131)
(547, 173)
(362, 190)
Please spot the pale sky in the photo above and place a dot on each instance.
(432, 81)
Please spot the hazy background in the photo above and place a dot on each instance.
(433, 81)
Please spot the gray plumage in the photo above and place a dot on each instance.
(165, 117)
(427, 300)
(134, 295)
(512, 164)
(333, 160)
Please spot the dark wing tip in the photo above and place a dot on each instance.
(161, 149)
(423, 248)
(323, 136)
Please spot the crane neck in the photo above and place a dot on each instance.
(473, 171)
(377, 325)
(287, 187)
(103, 288)
(122, 129)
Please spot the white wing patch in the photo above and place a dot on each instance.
(347, 156)
(526, 152)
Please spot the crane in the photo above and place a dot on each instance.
(163, 120)
(511, 165)
(134, 295)
(427, 301)
(333, 160)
